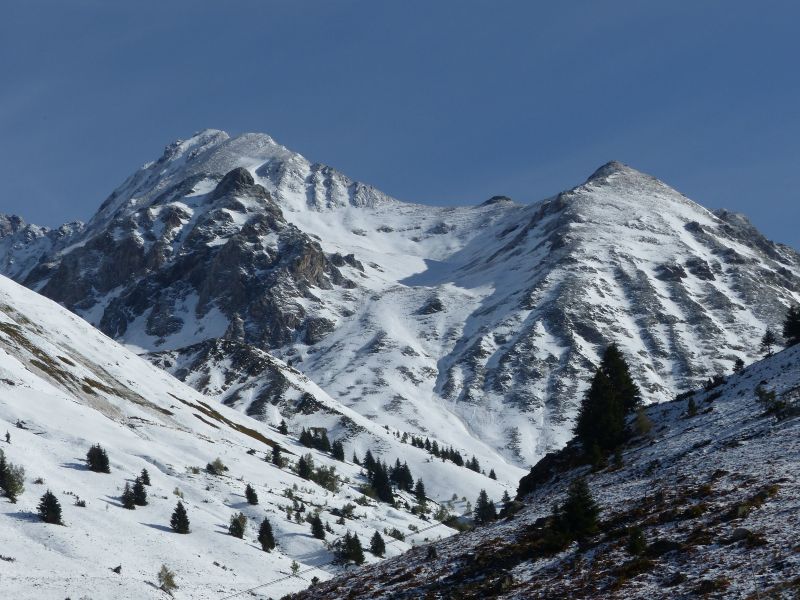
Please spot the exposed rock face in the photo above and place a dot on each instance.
(477, 325)
(185, 259)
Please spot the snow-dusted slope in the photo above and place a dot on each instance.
(476, 326)
(66, 386)
(716, 496)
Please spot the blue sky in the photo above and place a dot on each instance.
(436, 102)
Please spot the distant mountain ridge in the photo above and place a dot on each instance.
(477, 326)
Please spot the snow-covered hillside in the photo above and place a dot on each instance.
(475, 326)
(715, 494)
(65, 386)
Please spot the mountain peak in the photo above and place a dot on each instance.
(612, 167)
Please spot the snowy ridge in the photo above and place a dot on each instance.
(477, 326)
(66, 386)
(716, 495)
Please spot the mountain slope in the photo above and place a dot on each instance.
(476, 326)
(716, 496)
(65, 386)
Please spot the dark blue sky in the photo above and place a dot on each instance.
(431, 101)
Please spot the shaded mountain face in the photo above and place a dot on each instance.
(713, 494)
(229, 259)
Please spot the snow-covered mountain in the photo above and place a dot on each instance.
(235, 263)
(65, 386)
(714, 493)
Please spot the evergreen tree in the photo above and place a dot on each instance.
(767, 342)
(50, 509)
(12, 479)
(492, 474)
(791, 326)
(380, 483)
(616, 369)
(97, 459)
(265, 537)
(506, 503)
(145, 477)
(355, 459)
(636, 542)
(250, 494)
(738, 365)
(431, 553)
(283, 428)
(354, 550)
(127, 497)
(377, 545)
(317, 528)
(337, 450)
(369, 462)
(277, 460)
(237, 525)
(305, 466)
(579, 513)
(322, 443)
(179, 520)
(306, 438)
(139, 492)
(485, 510)
(601, 418)
(419, 493)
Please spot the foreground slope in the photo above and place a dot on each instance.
(472, 325)
(65, 386)
(716, 495)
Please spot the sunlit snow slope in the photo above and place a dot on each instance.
(65, 386)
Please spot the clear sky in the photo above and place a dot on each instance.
(433, 101)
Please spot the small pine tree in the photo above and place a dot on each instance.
(50, 509)
(237, 525)
(12, 479)
(145, 477)
(485, 510)
(354, 550)
(127, 497)
(317, 528)
(166, 579)
(250, 494)
(295, 567)
(265, 537)
(767, 342)
(97, 459)
(419, 493)
(283, 428)
(492, 474)
(738, 365)
(337, 450)
(791, 326)
(305, 466)
(179, 520)
(580, 512)
(431, 554)
(506, 504)
(636, 542)
(139, 492)
(376, 545)
(277, 460)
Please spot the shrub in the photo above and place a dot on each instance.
(166, 579)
